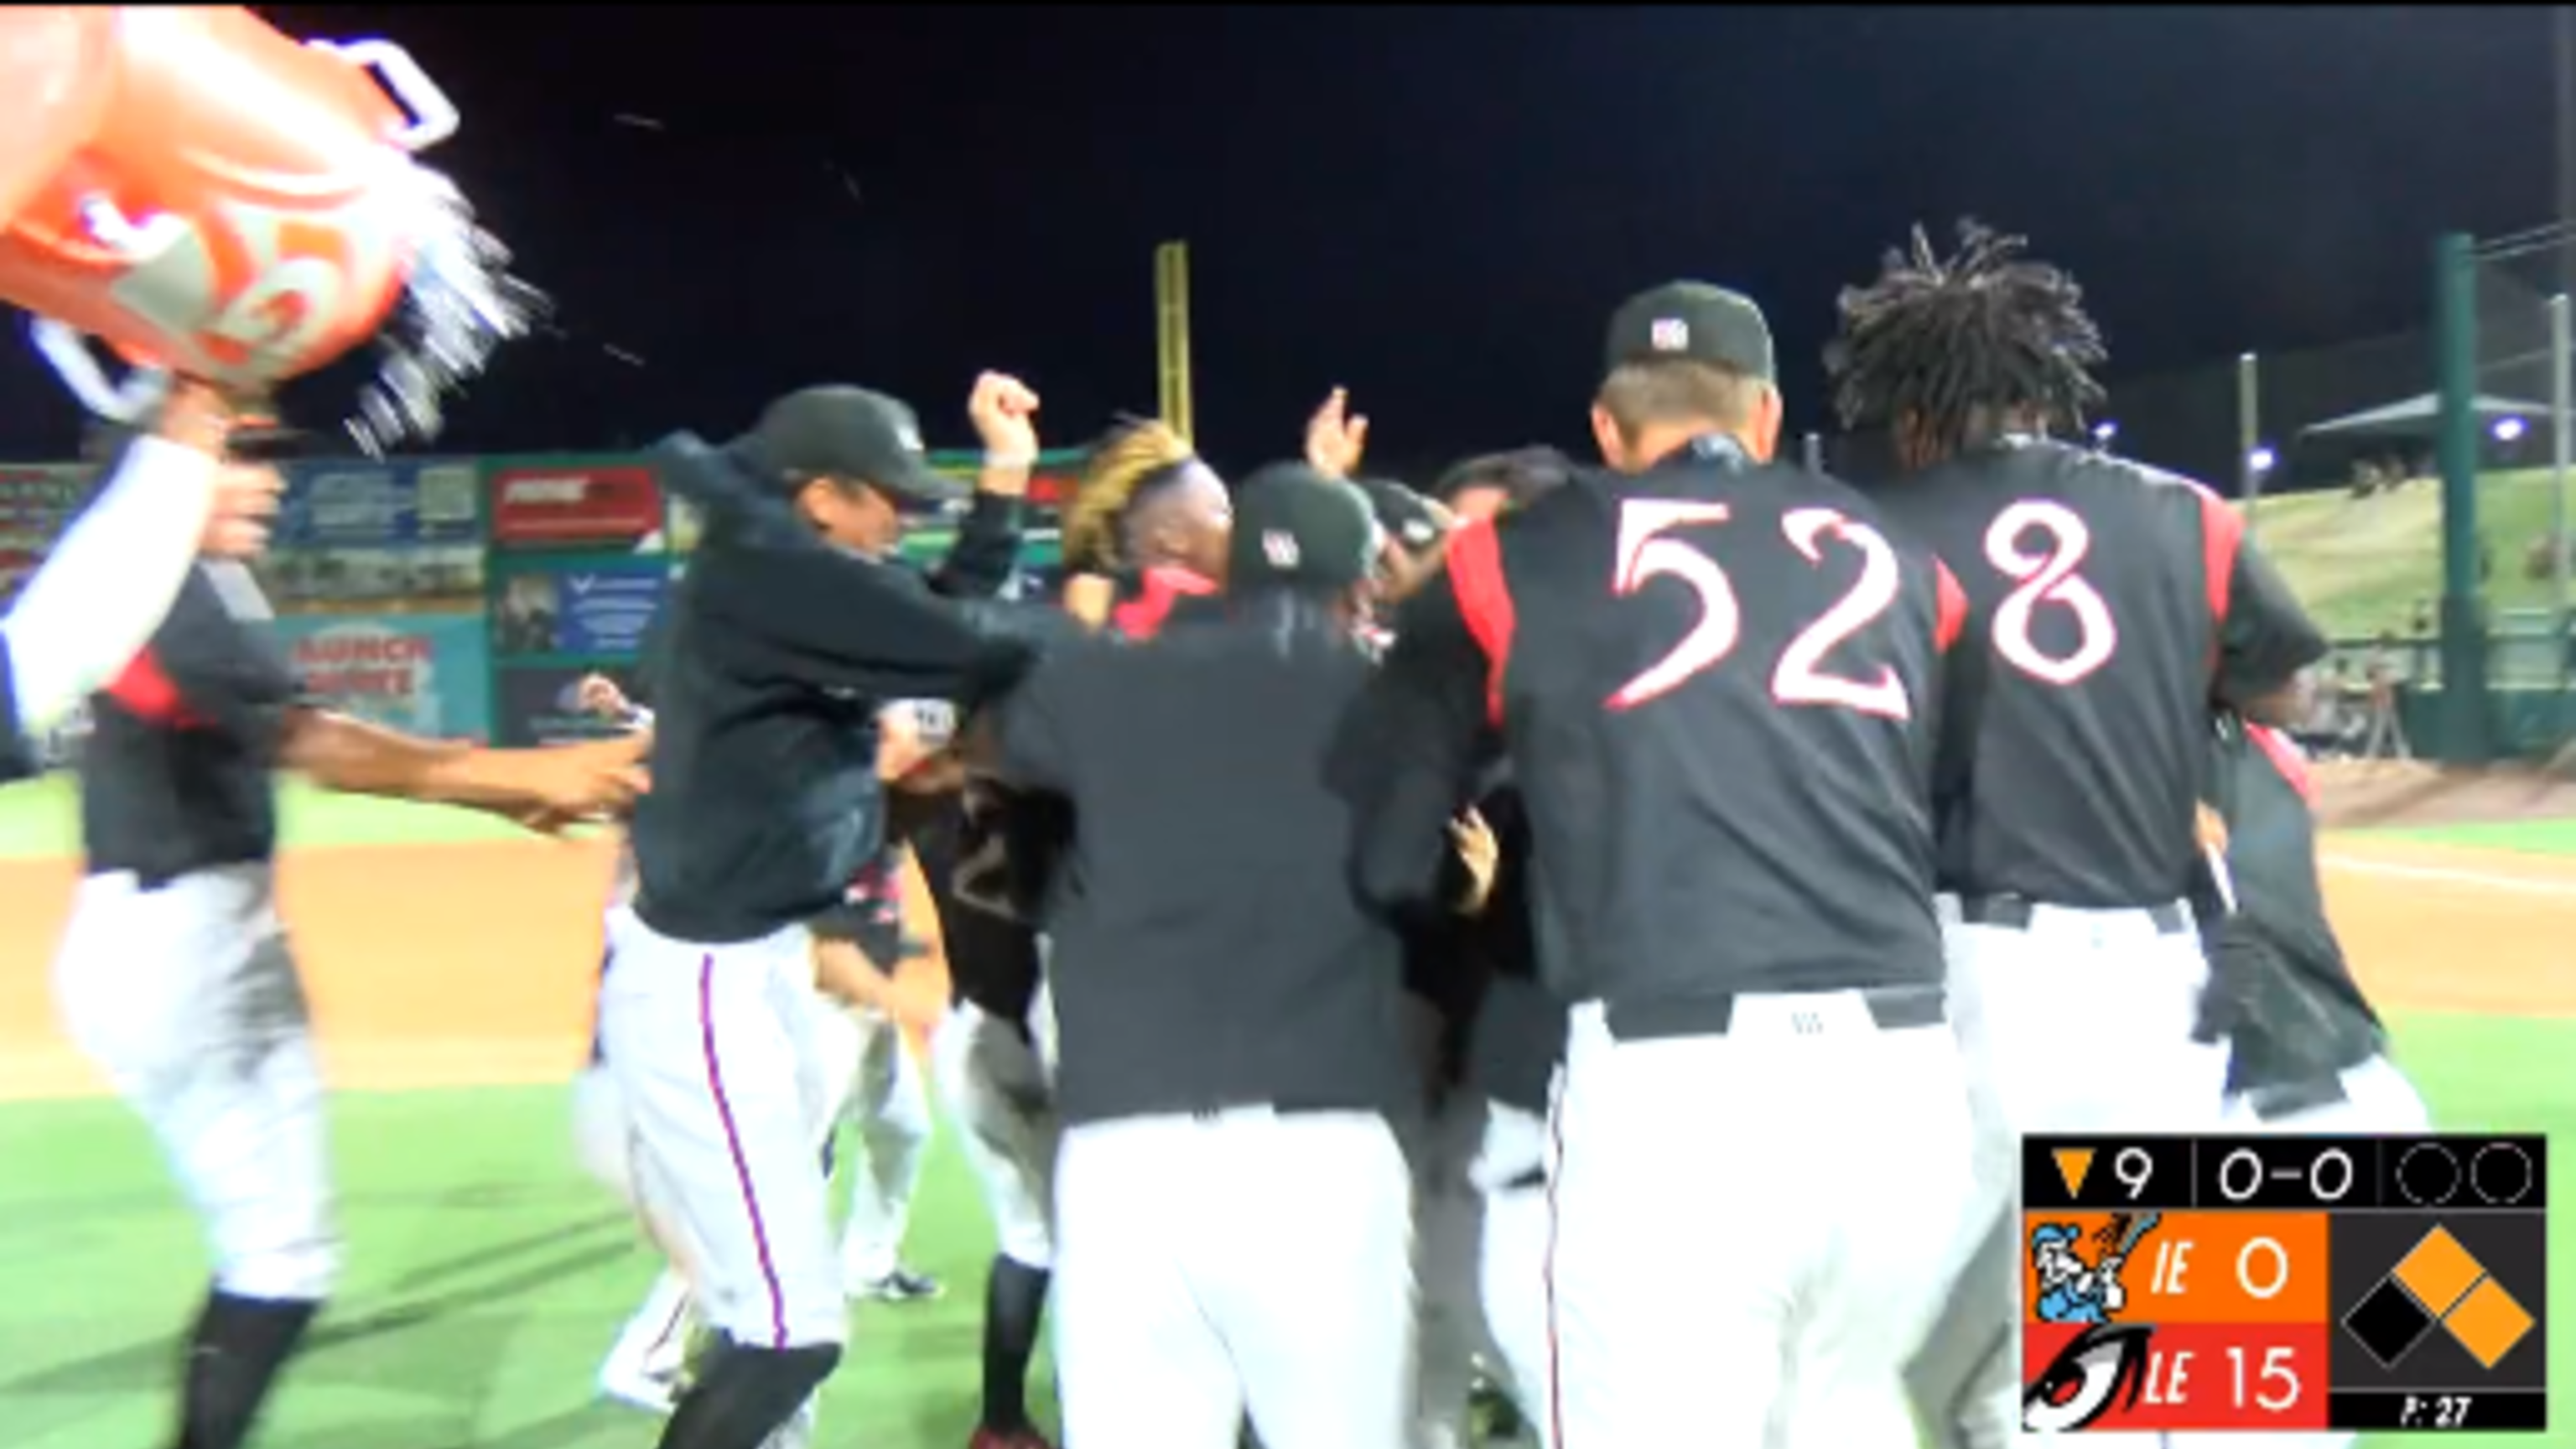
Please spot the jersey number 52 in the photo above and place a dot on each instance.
(1647, 552)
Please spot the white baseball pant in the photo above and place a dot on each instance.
(187, 997)
(2377, 1100)
(998, 1092)
(1736, 1280)
(715, 1051)
(1242, 1261)
(887, 1108)
(2118, 992)
(1511, 1268)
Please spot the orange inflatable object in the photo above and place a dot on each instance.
(207, 195)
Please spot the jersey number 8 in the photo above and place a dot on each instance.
(2048, 578)
(1646, 552)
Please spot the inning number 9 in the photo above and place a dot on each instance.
(2133, 1166)
(2048, 577)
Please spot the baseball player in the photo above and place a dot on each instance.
(855, 942)
(2306, 1051)
(173, 972)
(1483, 1233)
(109, 580)
(2108, 603)
(1148, 511)
(1722, 685)
(1213, 1114)
(992, 1062)
(885, 1104)
(791, 627)
(2307, 1054)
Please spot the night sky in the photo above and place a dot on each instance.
(1436, 208)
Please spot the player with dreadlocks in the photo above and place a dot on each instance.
(1150, 513)
(2065, 815)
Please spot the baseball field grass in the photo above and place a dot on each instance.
(486, 1275)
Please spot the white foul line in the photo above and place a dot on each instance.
(2480, 879)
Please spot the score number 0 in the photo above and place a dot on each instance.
(2330, 1175)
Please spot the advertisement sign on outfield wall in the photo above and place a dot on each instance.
(427, 674)
(573, 502)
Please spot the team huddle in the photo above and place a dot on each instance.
(1397, 942)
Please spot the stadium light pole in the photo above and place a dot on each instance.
(2249, 437)
(2562, 20)
(2560, 405)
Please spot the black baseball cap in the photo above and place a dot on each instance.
(1413, 521)
(1695, 321)
(1296, 528)
(850, 433)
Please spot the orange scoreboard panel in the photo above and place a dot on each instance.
(2284, 1283)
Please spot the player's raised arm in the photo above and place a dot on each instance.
(1407, 754)
(980, 563)
(113, 575)
(803, 610)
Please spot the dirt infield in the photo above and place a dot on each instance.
(475, 964)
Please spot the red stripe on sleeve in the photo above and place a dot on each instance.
(147, 692)
(2286, 758)
(1484, 602)
(2222, 534)
(1952, 614)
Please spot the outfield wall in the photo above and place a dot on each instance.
(465, 597)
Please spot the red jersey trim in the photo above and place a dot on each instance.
(2222, 536)
(1162, 586)
(2286, 758)
(1951, 611)
(147, 691)
(1484, 602)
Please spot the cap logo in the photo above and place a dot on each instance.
(1279, 547)
(1669, 334)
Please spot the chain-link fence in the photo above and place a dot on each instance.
(2522, 285)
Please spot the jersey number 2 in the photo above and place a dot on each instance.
(1646, 551)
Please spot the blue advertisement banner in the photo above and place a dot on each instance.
(359, 503)
(588, 607)
(429, 674)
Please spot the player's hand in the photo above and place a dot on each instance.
(1335, 440)
(596, 779)
(2211, 830)
(600, 695)
(899, 744)
(1481, 853)
(245, 505)
(195, 415)
(1004, 412)
(1089, 598)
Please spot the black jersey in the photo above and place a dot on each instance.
(2107, 603)
(176, 774)
(1721, 685)
(1208, 948)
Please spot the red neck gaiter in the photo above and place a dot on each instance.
(1159, 589)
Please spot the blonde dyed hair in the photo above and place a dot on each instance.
(1093, 536)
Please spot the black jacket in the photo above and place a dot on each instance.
(775, 655)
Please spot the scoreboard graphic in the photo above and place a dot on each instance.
(2284, 1283)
